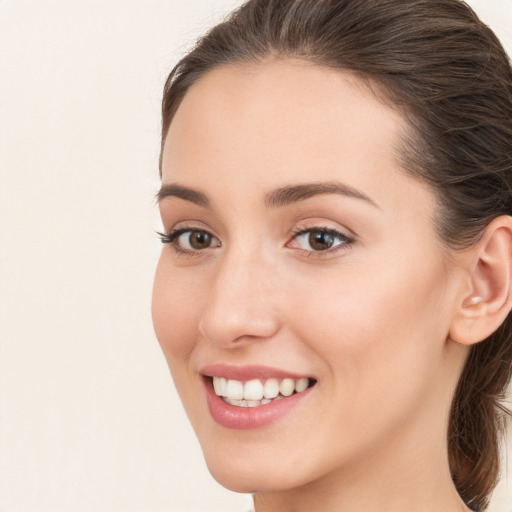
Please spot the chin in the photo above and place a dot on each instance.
(250, 482)
(246, 484)
(246, 473)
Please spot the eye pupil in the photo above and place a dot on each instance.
(200, 239)
(320, 240)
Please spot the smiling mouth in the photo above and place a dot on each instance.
(256, 392)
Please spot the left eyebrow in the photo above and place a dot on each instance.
(291, 194)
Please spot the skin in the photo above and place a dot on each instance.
(369, 319)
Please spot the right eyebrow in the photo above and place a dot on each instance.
(185, 193)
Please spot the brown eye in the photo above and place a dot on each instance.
(320, 240)
(190, 240)
(199, 239)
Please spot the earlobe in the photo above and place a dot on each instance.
(485, 306)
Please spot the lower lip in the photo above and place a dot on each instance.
(245, 418)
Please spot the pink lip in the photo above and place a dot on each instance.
(245, 418)
(245, 373)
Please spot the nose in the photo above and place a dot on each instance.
(240, 305)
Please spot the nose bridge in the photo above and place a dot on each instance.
(240, 306)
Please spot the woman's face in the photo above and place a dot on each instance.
(298, 249)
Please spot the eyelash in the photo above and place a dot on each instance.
(345, 241)
(172, 237)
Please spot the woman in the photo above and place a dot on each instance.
(333, 293)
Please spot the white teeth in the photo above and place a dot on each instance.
(301, 384)
(245, 403)
(235, 390)
(238, 403)
(253, 390)
(254, 393)
(271, 388)
(223, 386)
(216, 386)
(287, 387)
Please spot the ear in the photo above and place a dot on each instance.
(486, 300)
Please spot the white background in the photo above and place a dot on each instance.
(89, 420)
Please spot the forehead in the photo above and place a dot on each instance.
(288, 120)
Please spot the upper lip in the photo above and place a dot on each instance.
(248, 372)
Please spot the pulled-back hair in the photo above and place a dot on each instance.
(448, 75)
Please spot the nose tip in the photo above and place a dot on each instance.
(239, 309)
(230, 329)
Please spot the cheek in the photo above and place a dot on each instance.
(376, 329)
(176, 310)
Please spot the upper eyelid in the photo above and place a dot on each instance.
(347, 239)
(301, 231)
(189, 225)
(322, 226)
(323, 220)
(176, 232)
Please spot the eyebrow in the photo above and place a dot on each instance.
(185, 193)
(276, 198)
(291, 194)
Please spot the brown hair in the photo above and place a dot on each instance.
(450, 77)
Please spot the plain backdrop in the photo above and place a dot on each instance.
(89, 419)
